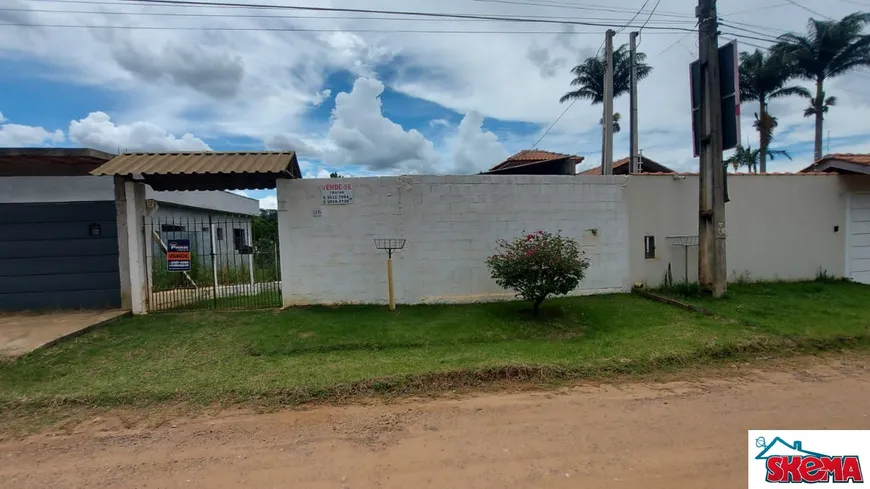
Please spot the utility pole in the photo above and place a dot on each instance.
(635, 159)
(607, 162)
(712, 269)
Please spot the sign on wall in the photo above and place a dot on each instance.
(178, 255)
(336, 193)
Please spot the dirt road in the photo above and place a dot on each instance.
(673, 435)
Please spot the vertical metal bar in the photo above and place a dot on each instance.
(213, 263)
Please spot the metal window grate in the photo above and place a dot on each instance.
(389, 243)
(683, 240)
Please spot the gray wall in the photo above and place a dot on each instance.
(48, 259)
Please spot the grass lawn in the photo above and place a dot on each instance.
(819, 309)
(323, 352)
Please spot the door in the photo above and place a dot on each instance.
(59, 256)
(858, 239)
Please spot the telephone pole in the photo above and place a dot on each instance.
(607, 162)
(712, 269)
(635, 159)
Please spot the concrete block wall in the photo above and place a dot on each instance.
(451, 224)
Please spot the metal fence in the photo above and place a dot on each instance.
(210, 263)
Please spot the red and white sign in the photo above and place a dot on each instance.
(336, 193)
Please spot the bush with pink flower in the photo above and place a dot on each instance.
(538, 265)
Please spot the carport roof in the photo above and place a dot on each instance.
(205, 171)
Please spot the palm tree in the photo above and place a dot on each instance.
(749, 157)
(830, 48)
(616, 118)
(762, 78)
(589, 76)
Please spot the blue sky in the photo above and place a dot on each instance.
(350, 96)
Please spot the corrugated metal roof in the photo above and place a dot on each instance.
(200, 163)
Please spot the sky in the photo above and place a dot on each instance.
(377, 94)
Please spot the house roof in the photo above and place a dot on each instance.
(531, 157)
(50, 162)
(841, 163)
(205, 171)
(649, 165)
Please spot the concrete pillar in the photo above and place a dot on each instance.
(130, 206)
(283, 196)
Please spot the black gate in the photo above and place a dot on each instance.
(210, 262)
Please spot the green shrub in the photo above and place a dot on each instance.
(538, 265)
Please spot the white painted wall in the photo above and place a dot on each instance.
(451, 224)
(90, 188)
(780, 227)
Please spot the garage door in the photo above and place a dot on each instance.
(859, 238)
(59, 256)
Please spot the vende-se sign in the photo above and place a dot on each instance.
(336, 193)
(178, 255)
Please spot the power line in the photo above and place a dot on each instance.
(808, 9)
(287, 29)
(390, 12)
(634, 16)
(554, 123)
(576, 6)
(650, 15)
(769, 38)
(750, 11)
(272, 16)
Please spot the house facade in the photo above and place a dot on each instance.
(59, 228)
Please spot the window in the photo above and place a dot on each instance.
(220, 234)
(205, 230)
(649, 247)
(239, 238)
(171, 228)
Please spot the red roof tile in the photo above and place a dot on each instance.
(528, 156)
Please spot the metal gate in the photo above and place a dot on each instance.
(206, 262)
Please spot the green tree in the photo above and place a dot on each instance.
(749, 157)
(335, 174)
(265, 229)
(762, 78)
(829, 49)
(616, 118)
(538, 265)
(589, 76)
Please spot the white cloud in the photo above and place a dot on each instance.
(260, 83)
(239, 192)
(475, 149)
(363, 136)
(98, 131)
(269, 202)
(21, 135)
(439, 122)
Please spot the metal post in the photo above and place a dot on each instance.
(712, 270)
(214, 281)
(635, 159)
(390, 279)
(608, 103)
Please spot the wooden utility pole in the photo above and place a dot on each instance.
(635, 165)
(608, 103)
(712, 269)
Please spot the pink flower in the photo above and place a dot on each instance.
(540, 232)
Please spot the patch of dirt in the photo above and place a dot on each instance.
(642, 434)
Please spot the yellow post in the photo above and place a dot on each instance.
(390, 282)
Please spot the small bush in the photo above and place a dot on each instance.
(538, 265)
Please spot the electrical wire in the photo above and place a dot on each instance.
(808, 9)
(576, 6)
(391, 12)
(554, 123)
(269, 16)
(634, 16)
(287, 29)
(769, 38)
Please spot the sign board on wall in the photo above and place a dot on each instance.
(336, 193)
(178, 255)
